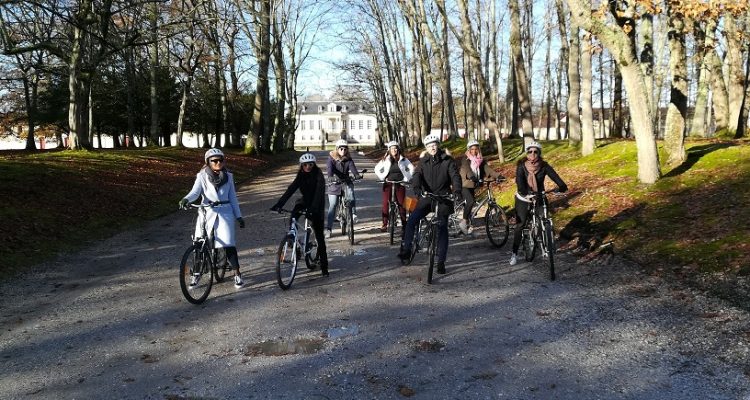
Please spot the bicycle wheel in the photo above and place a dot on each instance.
(342, 216)
(549, 248)
(529, 244)
(392, 215)
(453, 220)
(195, 268)
(496, 225)
(350, 224)
(432, 243)
(286, 263)
(220, 265)
(312, 258)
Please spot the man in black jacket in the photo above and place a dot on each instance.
(436, 173)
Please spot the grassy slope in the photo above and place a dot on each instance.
(57, 200)
(696, 216)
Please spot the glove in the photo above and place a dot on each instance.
(276, 208)
(241, 222)
(418, 192)
(183, 204)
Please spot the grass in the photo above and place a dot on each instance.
(57, 201)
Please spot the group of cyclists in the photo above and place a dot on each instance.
(436, 173)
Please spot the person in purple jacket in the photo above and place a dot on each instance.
(340, 165)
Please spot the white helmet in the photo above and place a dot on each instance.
(306, 158)
(391, 144)
(341, 143)
(213, 153)
(472, 142)
(431, 138)
(534, 144)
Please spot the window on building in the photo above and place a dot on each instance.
(343, 135)
(352, 124)
(320, 108)
(369, 124)
(368, 137)
(303, 137)
(360, 137)
(361, 124)
(303, 124)
(320, 124)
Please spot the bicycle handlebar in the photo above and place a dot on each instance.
(209, 205)
(303, 212)
(402, 183)
(350, 179)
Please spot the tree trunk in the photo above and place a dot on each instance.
(734, 71)
(564, 51)
(30, 111)
(674, 131)
(524, 93)
(720, 98)
(698, 125)
(258, 133)
(153, 56)
(183, 109)
(574, 83)
(587, 117)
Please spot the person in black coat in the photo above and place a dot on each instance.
(436, 173)
(312, 185)
(530, 173)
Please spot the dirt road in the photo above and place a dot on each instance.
(110, 322)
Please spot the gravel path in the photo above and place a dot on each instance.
(110, 322)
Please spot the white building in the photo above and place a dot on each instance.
(325, 122)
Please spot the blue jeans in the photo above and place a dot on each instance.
(333, 202)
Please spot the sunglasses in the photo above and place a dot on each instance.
(216, 160)
(343, 148)
(532, 152)
(307, 164)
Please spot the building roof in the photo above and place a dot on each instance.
(342, 106)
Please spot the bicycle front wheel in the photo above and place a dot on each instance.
(312, 258)
(454, 230)
(195, 274)
(286, 263)
(432, 243)
(549, 248)
(496, 225)
(350, 224)
(342, 216)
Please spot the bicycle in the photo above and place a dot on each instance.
(201, 259)
(292, 247)
(344, 212)
(426, 233)
(393, 207)
(539, 232)
(495, 219)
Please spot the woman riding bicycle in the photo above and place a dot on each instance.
(339, 164)
(394, 167)
(474, 169)
(530, 173)
(437, 174)
(216, 184)
(311, 184)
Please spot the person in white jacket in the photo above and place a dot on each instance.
(215, 184)
(397, 168)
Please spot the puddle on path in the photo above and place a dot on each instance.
(282, 347)
(342, 331)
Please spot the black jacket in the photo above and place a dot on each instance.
(312, 185)
(546, 170)
(438, 174)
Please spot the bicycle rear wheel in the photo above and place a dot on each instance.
(392, 215)
(286, 263)
(496, 225)
(549, 248)
(350, 224)
(195, 269)
(312, 258)
(432, 243)
(529, 244)
(221, 264)
(342, 216)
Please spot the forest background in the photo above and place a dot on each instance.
(570, 73)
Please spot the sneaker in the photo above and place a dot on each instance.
(327, 234)
(354, 218)
(324, 270)
(463, 226)
(238, 281)
(513, 259)
(404, 254)
(194, 280)
(441, 267)
(384, 228)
